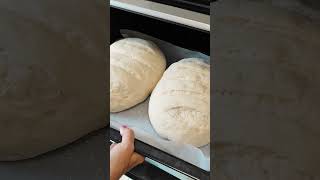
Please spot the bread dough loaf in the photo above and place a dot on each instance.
(136, 65)
(179, 107)
(52, 91)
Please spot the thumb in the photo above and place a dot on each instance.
(127, 136)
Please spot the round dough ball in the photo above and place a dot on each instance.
(136, 65)
(179, 106)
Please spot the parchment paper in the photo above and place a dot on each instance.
(137, 117)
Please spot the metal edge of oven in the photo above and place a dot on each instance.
(162, 11)
(181, 34)
(162, 161)
(201, 6)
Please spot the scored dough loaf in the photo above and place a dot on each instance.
(179, 106)
(136, 65)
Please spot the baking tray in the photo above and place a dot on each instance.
(163, 158)
(180, 35)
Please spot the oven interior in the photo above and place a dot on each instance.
(174, 33)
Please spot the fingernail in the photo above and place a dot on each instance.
(122, 128)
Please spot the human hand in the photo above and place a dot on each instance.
(122, 155)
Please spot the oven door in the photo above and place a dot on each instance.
(159, 164)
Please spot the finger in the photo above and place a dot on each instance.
(127, 136)
(112, 145)
(135, 160)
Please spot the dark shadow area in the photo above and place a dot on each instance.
(53, 89)
(266, 90)
(84, 159)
